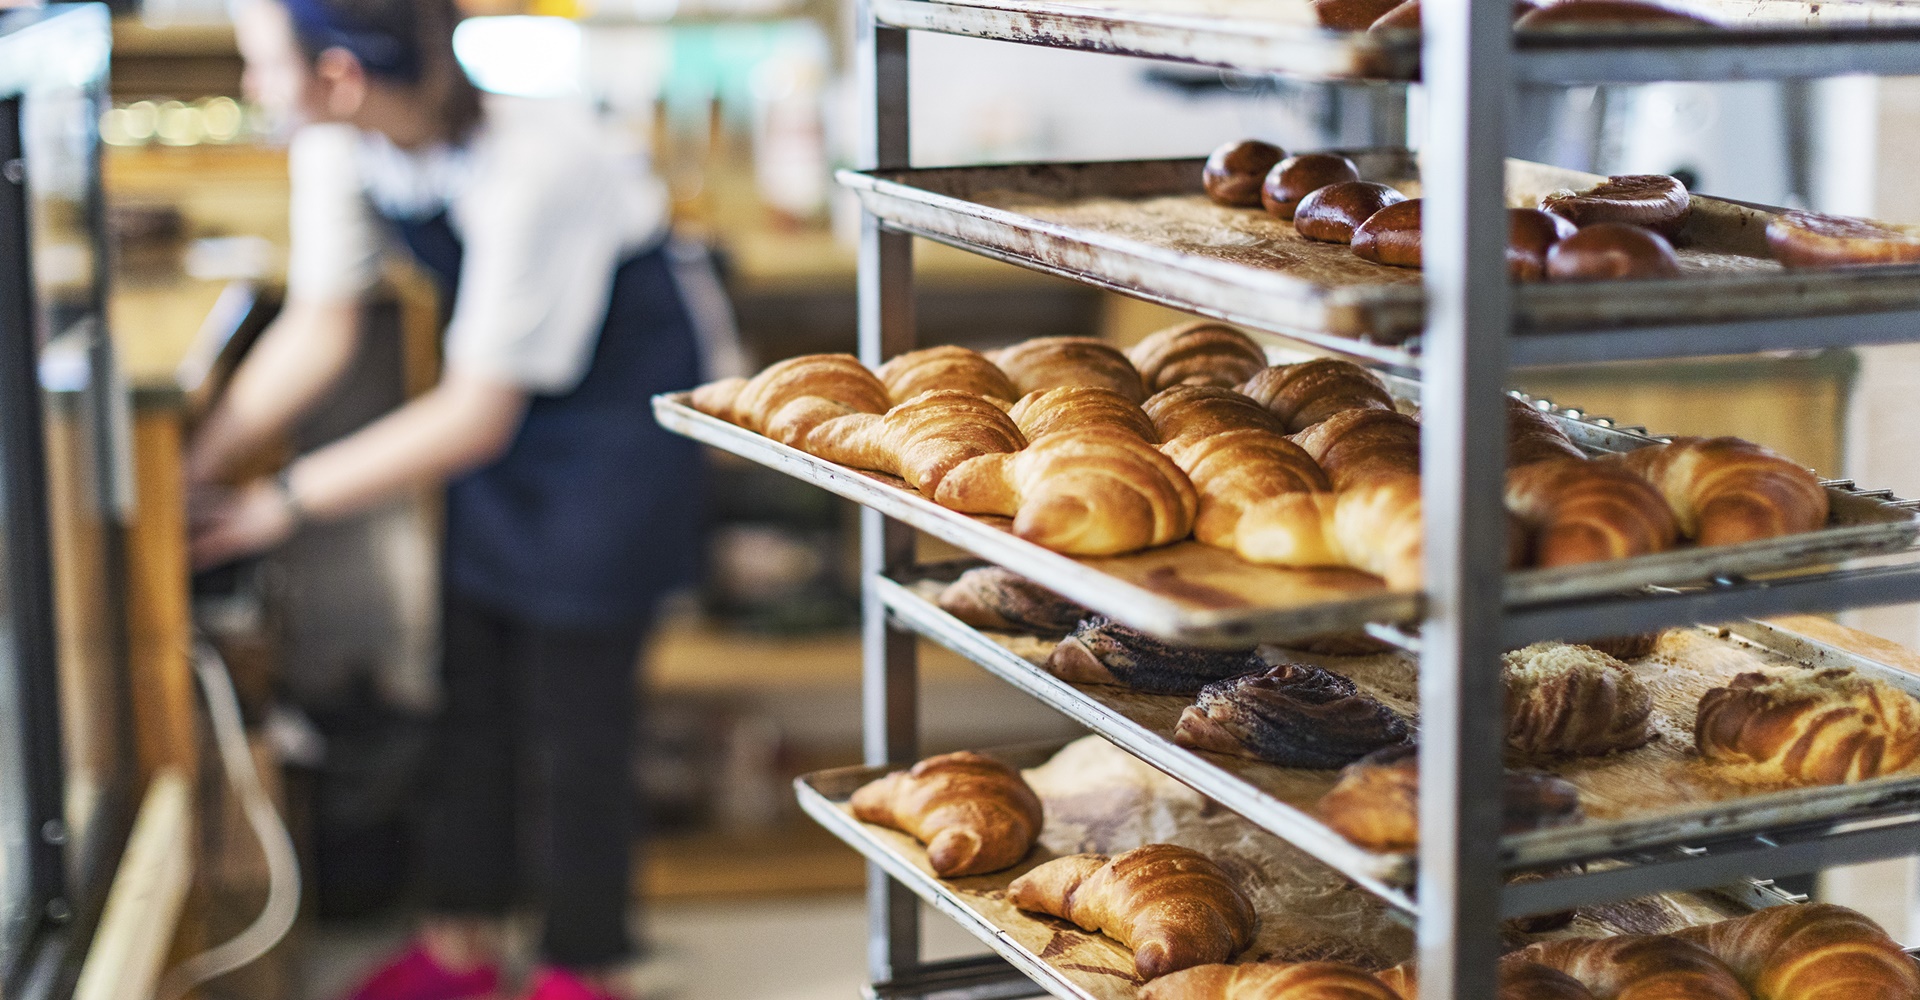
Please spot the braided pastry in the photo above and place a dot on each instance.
(1565, 699)
(1814, 951)
(1724, 490)
(1185, 411)
(1071, 407)
(1172, 906)
(1092, 492)
(944, 367)
(1639, 967)
(790, 398)
(996, 598)
(1811, 726)
(1376, 802)
(1580, 511)
(1304, 394)
(920, 440)
(1048, 362)
(1270, 981)
(1364, 445)
(1292, 714)
(1103, 651)
(1197, 353)
(975, 814)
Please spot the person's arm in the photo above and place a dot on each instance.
(466, 421)
(290, 369)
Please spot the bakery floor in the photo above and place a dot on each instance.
(810, 947)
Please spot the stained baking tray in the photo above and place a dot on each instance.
(1145, 229)
(1306, 913)
(1638, 801)
(1197, 594)
(1763, 38)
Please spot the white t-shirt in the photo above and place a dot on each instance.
(546, 207)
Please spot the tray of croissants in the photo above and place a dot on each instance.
(1637, 742)
(1106, 880)
(1195, 489)
(1328, 243)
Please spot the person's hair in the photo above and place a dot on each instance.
(408, 42)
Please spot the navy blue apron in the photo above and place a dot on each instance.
(594, 511)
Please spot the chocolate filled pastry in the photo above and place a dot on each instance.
(1531, 232)
(1823, 727)
(1103, 651)
(1406, 17)
(1586, 13)
(1298, 176)
(1198, 353)
(1233, 173)
(1656, 201)
(1376, 803)
(995, 598)
(1292, 714)
(1331, 214)
(1565, 699)
(1351, 15)
(1815, 239)
(1391, 235)
(1612, 251)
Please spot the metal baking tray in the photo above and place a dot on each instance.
(1193, 593)
(1280, 799)
(1056, 956)
(1145, 229)
(1778, 37)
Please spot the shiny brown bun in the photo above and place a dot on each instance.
(1233, 173)
(1391, 235)
(1531, 232)
(1331, 214)
(1406, 17)
(1656, 201)
(1607, 251)
(1815, 239)
(1298, 176)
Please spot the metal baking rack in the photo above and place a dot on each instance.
(1469, 59)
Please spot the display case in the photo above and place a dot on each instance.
(66, 763)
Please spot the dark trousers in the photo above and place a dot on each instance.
(535, 773)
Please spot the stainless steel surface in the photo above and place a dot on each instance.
(890, 669)
(1754, 307)
(1386, 875)
(1382, 874)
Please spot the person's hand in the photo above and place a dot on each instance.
(229, 524)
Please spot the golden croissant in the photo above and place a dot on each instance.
(1270, 981)
(1375, 527)
(1198, 353)
(1810, 726)
(1579, 511)
(1724, 490)
(1070, 407)
(1636, 966)
(1813, 951)
(788, 399)
(1532, 436)
(944, 367)
(1237, 470)
(1304, 394)
(920, 440)
(975, 814)
(1518, 981)
(1050, 362)
(1364, 445)
(1190, 411)
(1090, 492)
(1173, 907)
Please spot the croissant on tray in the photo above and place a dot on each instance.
(1271, 981)
(944, 367)
(1304, 394)
(1173, 907)
(1076, 407)
(1638, 965)
(1724, 490)
(1376, 802)
(1292, 714)
(1564, 699)
(1198, 353)
(920, 440)
(1825, 727)
(1094, 492)
(790, 398)
(974, 813)
(1364, 445)
(1580, 511)
(995, 598)
(1374, 527)
(1813, 951)
(1050, 362)
(1532, 436)
(1196, 411)
(1102, 651)
(1518, 981)
(1236, 471)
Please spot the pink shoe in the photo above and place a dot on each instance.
(559, 984)
(414, 975)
